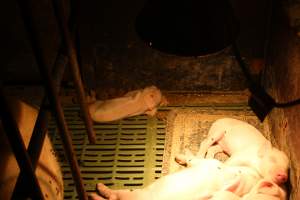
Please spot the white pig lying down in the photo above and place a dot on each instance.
(133, 103)
(197, 182)
(246, 146)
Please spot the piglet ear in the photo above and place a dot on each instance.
(265, 147)
(269, 188)
(265, 183)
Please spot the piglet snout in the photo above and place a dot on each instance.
(281, 177)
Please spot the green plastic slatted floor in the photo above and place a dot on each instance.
(128, 153)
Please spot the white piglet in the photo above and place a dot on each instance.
(137, 102)
(266, 190)
(246, 146)
(198, 182)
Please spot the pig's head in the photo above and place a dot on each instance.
(153, 97)
(273, 164)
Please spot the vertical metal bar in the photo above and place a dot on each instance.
(13, 134)
(61, 19)
(242, 64)
(41, 125)
(54, 100)
(59, 68)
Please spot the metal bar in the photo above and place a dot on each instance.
(84, 43)
(53, 99)
(59, 68)
(41, 125)
(61, 19)
(242, 65)
(15, 139)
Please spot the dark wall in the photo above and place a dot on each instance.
(118, 58)
(112, 55)
(17, 59)
(253, 17)
(282, 78)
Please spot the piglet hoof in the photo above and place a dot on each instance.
(201, 154)
(181, 159)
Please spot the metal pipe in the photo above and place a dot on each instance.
(54, 100)
(41, 125)
(32, 188)
(71, 50)
(59, 68)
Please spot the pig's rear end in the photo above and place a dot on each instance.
(48, 170)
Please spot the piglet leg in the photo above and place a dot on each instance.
(213, 150)
(208, 142)
(187, 159)
(106, 192)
